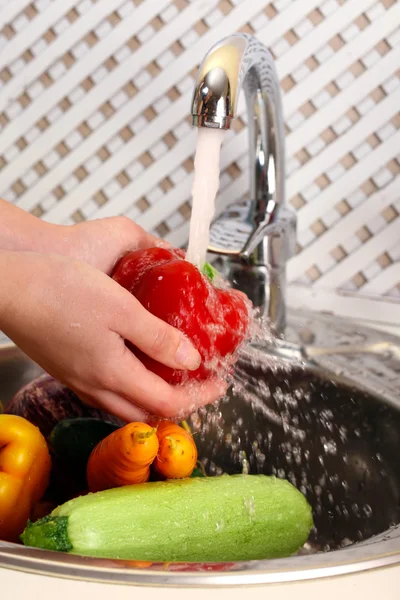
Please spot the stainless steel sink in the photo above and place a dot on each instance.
(326, 416)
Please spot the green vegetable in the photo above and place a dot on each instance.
(209, 271)
(227, 518)
(197, 472)
(72, 440)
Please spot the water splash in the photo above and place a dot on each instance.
(280, 420)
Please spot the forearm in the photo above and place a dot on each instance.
(25, 282)
(21, 231)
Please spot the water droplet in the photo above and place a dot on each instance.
(250, 507)
(367, 510)
(330, 447)
(219, 525)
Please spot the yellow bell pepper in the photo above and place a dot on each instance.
(24, 473)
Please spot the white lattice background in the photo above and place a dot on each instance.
(94, 117)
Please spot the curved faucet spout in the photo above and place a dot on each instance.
(239, 62)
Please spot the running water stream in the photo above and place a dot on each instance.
(204, 191)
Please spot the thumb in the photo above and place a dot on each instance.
(155, 338)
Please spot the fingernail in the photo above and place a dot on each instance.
(187, 356)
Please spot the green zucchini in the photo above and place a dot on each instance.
(227, 518)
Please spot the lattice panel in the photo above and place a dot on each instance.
(94, 117)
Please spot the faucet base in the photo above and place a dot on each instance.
(264, 286)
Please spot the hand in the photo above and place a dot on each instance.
(102, 242)
(99, 243)
(73, 321)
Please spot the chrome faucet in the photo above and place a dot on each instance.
(265, 229)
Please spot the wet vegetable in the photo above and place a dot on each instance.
(123, 457)
(24, 473)
(177, 454)
(228, 518)
(71, 443)
(215, 319)
(72, 440)
(45, 402)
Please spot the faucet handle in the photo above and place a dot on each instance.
(269, 243)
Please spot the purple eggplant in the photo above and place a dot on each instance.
(45, 402)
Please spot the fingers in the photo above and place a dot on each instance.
(116, 405)
(154, 337)
(153, 395)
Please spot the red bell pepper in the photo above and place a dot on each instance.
(215, 320)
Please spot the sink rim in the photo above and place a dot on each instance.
(377, 552)
(346, 561)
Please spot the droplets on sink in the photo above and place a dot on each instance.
(282, 420)
(330, 447)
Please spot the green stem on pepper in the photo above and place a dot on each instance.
(209, 271)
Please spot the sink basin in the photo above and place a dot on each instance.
(338, 445)
(321, 409)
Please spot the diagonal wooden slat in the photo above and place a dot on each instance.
(34, 30)
(326, 30)
(361, 257)
(59, 47)
(352, 51)
(323, 161)
(10, 10)
(84, 67)
(337, 106)
(367, 210)
(91, 141)
(114, 124)
(95, 98)
(383, 282)
(346, 184)
(116, 163)
(161, 84)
